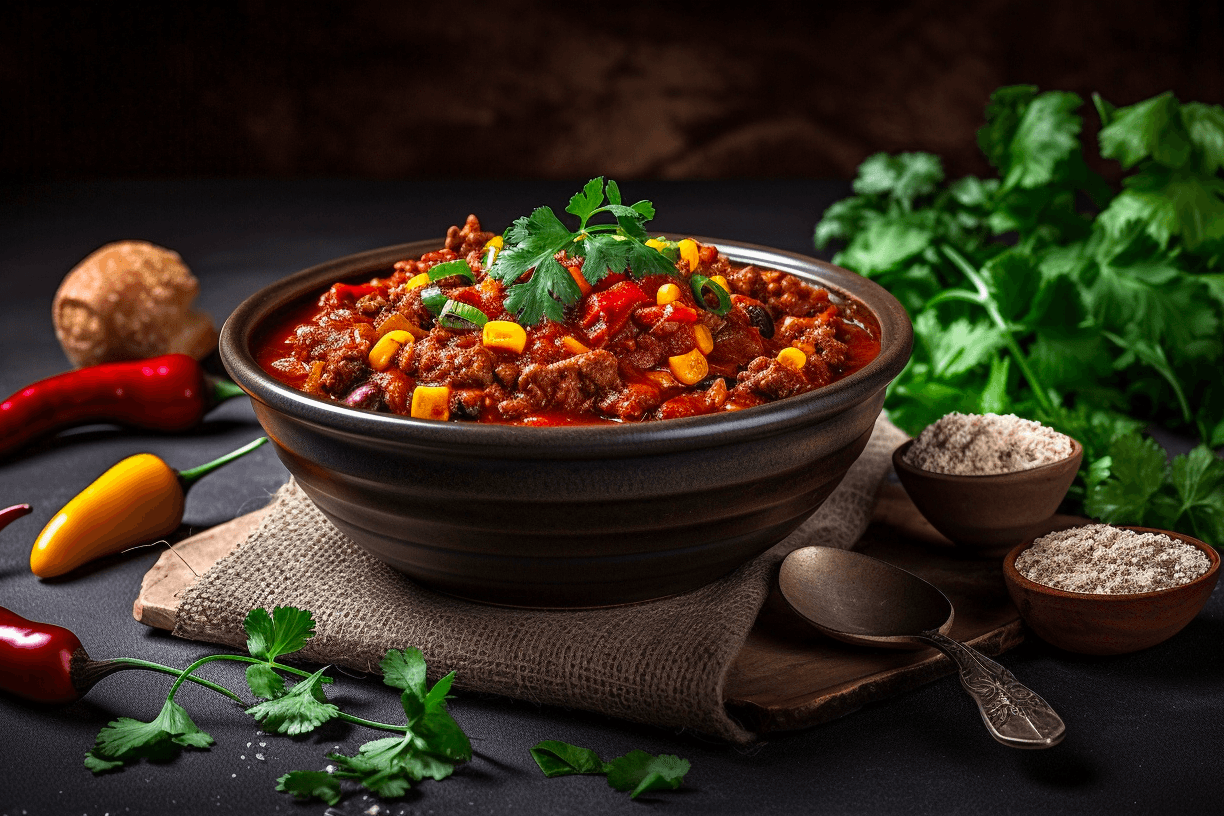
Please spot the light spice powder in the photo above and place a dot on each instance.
(1106, 560)
(985, 444)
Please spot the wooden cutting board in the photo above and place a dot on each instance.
(788, 675)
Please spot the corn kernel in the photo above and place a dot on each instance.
(504, 334)
(385, 349)
(705, 340)
(431, 402)
(574, 345)
(792, 357)
(668, 293)
(656, 243)
(496, 242)
(689, 368)
(721, 281)
(689, 253)
(417, 281)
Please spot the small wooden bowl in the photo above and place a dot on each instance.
(989, 514)
(1096, 624)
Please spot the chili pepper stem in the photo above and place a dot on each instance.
(10, 514)
(220, 390)
(95, 670)
(188, 477)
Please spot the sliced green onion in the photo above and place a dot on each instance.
(456, 315)
(452, 269)
(490, 256)
(433, 298)
(702, 285)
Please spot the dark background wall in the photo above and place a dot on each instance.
(548, 89)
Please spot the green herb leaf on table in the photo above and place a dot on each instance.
(639, 772)
(634, 773)
(301, 709)
(127, 740)
(311, 784)
(557, 758)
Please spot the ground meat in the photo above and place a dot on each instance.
(439, 361)
(736, 343)
(371, 304)
(769, 378)
(781, 293)
(814, 336)
(573, 384)
(703, 402)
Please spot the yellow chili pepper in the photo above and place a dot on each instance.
(138, 500)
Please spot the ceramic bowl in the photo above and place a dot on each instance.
(1109, 624)
(568, 516)
(988, 515)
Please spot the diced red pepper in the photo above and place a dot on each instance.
(605, 313)
(349, 293)
(652, 315)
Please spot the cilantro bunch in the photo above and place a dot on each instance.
(534, 241)
(428, 744)
(1046, 293)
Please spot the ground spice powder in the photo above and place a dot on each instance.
(1108, 560)
(985, 444)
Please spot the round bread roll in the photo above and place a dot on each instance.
(127, 301)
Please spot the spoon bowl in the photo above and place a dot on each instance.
(862, 600)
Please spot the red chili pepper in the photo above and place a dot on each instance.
(10, 514)
(167, 393)
(47, 663)
(606, 312)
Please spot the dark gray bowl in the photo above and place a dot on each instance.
(569, 516)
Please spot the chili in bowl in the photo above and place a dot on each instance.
(616, 485)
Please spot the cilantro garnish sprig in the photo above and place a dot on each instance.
(1045, 293)
(429, 744)
(534, 241)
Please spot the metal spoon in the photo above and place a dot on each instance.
(859, 599)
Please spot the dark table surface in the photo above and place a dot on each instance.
(1144, 731)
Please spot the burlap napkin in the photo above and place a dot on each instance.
(663, 662)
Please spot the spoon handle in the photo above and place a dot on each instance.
(1014, 714)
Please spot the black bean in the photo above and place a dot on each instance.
(761, 319)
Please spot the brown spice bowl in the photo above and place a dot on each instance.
(1097, 624)
(988, 515)
(573, 516)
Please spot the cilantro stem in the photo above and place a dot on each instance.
(988, 303)
(403, 729)
(144, 664)
(184, 675)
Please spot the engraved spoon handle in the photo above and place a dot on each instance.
(1013, 713)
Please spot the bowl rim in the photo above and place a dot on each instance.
(615, 440)
(899, 463)
(1012, 575)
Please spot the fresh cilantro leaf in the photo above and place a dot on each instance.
(585, 203)
(884, 245)
(557, 758)
(1171, 204)
(544, 294)
(283, 632)
(311, 784)
(1151, 128)
(404, 669)
(390, 766)
(300, 710)
(1205, 127)
(1198, 479)
(1003, 114)
(994, 398)
(126, 739)
(903, 177)
(1046, 136)
(639, 772)
(264, 682)
(1136, 472)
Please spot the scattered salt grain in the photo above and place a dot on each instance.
(1104, 560)
(260, 757)
(984, 444)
